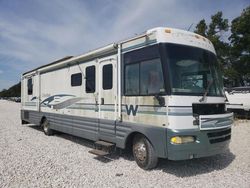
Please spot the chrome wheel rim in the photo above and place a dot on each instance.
(140, 151)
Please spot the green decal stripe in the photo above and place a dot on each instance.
(179, 114)
(112, 110)
(30, 104)
(81, 108)
(108, 110)
(152, 112)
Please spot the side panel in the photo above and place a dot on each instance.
(88, 128)
(34, 117)
(144, 110)
(83, 127)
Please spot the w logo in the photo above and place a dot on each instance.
(131, 109)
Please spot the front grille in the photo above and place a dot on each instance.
(219, 136)
(221, 133)
(213, 141)
(208, 109)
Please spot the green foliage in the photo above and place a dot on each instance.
(233, 53)
(240, 41)
(14, 91)
(201, 28)
(217, 25)
(214, 32)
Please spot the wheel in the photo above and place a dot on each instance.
(45, 126)
(144, 153)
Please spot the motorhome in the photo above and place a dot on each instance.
(159, 93)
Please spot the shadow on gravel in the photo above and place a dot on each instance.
(194, 167)
(184, 168)
(33, 126)
(118, 153)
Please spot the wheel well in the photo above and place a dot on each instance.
(129, 140)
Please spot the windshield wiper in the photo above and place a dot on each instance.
(206, 91)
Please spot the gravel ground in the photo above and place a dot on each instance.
(28, 158)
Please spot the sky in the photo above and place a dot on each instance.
(37, 32)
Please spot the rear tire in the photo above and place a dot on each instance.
(144, 153)
(46, 129)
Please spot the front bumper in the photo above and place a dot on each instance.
(208, 143)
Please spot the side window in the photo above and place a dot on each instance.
(76, 79)
(90, 79)
(143, 72)
(30, 86)
(107, 77)
(151, 77)
(132, 79)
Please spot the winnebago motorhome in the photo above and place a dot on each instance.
(159, 93)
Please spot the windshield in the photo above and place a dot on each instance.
(193, 71)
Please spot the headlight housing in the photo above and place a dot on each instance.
(182, 139)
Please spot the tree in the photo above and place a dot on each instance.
(240, 41)
(201, 28)
(14, 91)
(214, 32)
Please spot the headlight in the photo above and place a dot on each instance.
(182, 139)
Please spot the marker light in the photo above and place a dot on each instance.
(182, 139)
(167, 30)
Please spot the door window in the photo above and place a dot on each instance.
(30, 86)
(107, 77)
(90, 79)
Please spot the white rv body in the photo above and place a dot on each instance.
(117, 114)
(238, 98)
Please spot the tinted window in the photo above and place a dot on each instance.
(107, 77)
(76, 79)
(151, 77)
(193, 71)
(132, 79)
(144, 78)
(30, 86)
(143, 72)
(90, 79)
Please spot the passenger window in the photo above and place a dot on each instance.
(143, 73)
(30, 86)
(132, 79)
(144, 78)
(107, 77)
(90, 79)
(151, 77)
(76, 79)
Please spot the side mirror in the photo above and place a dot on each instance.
(160, 99)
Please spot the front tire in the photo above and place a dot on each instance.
(46, 129)
(144, 153)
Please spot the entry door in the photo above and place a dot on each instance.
(107, 98)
